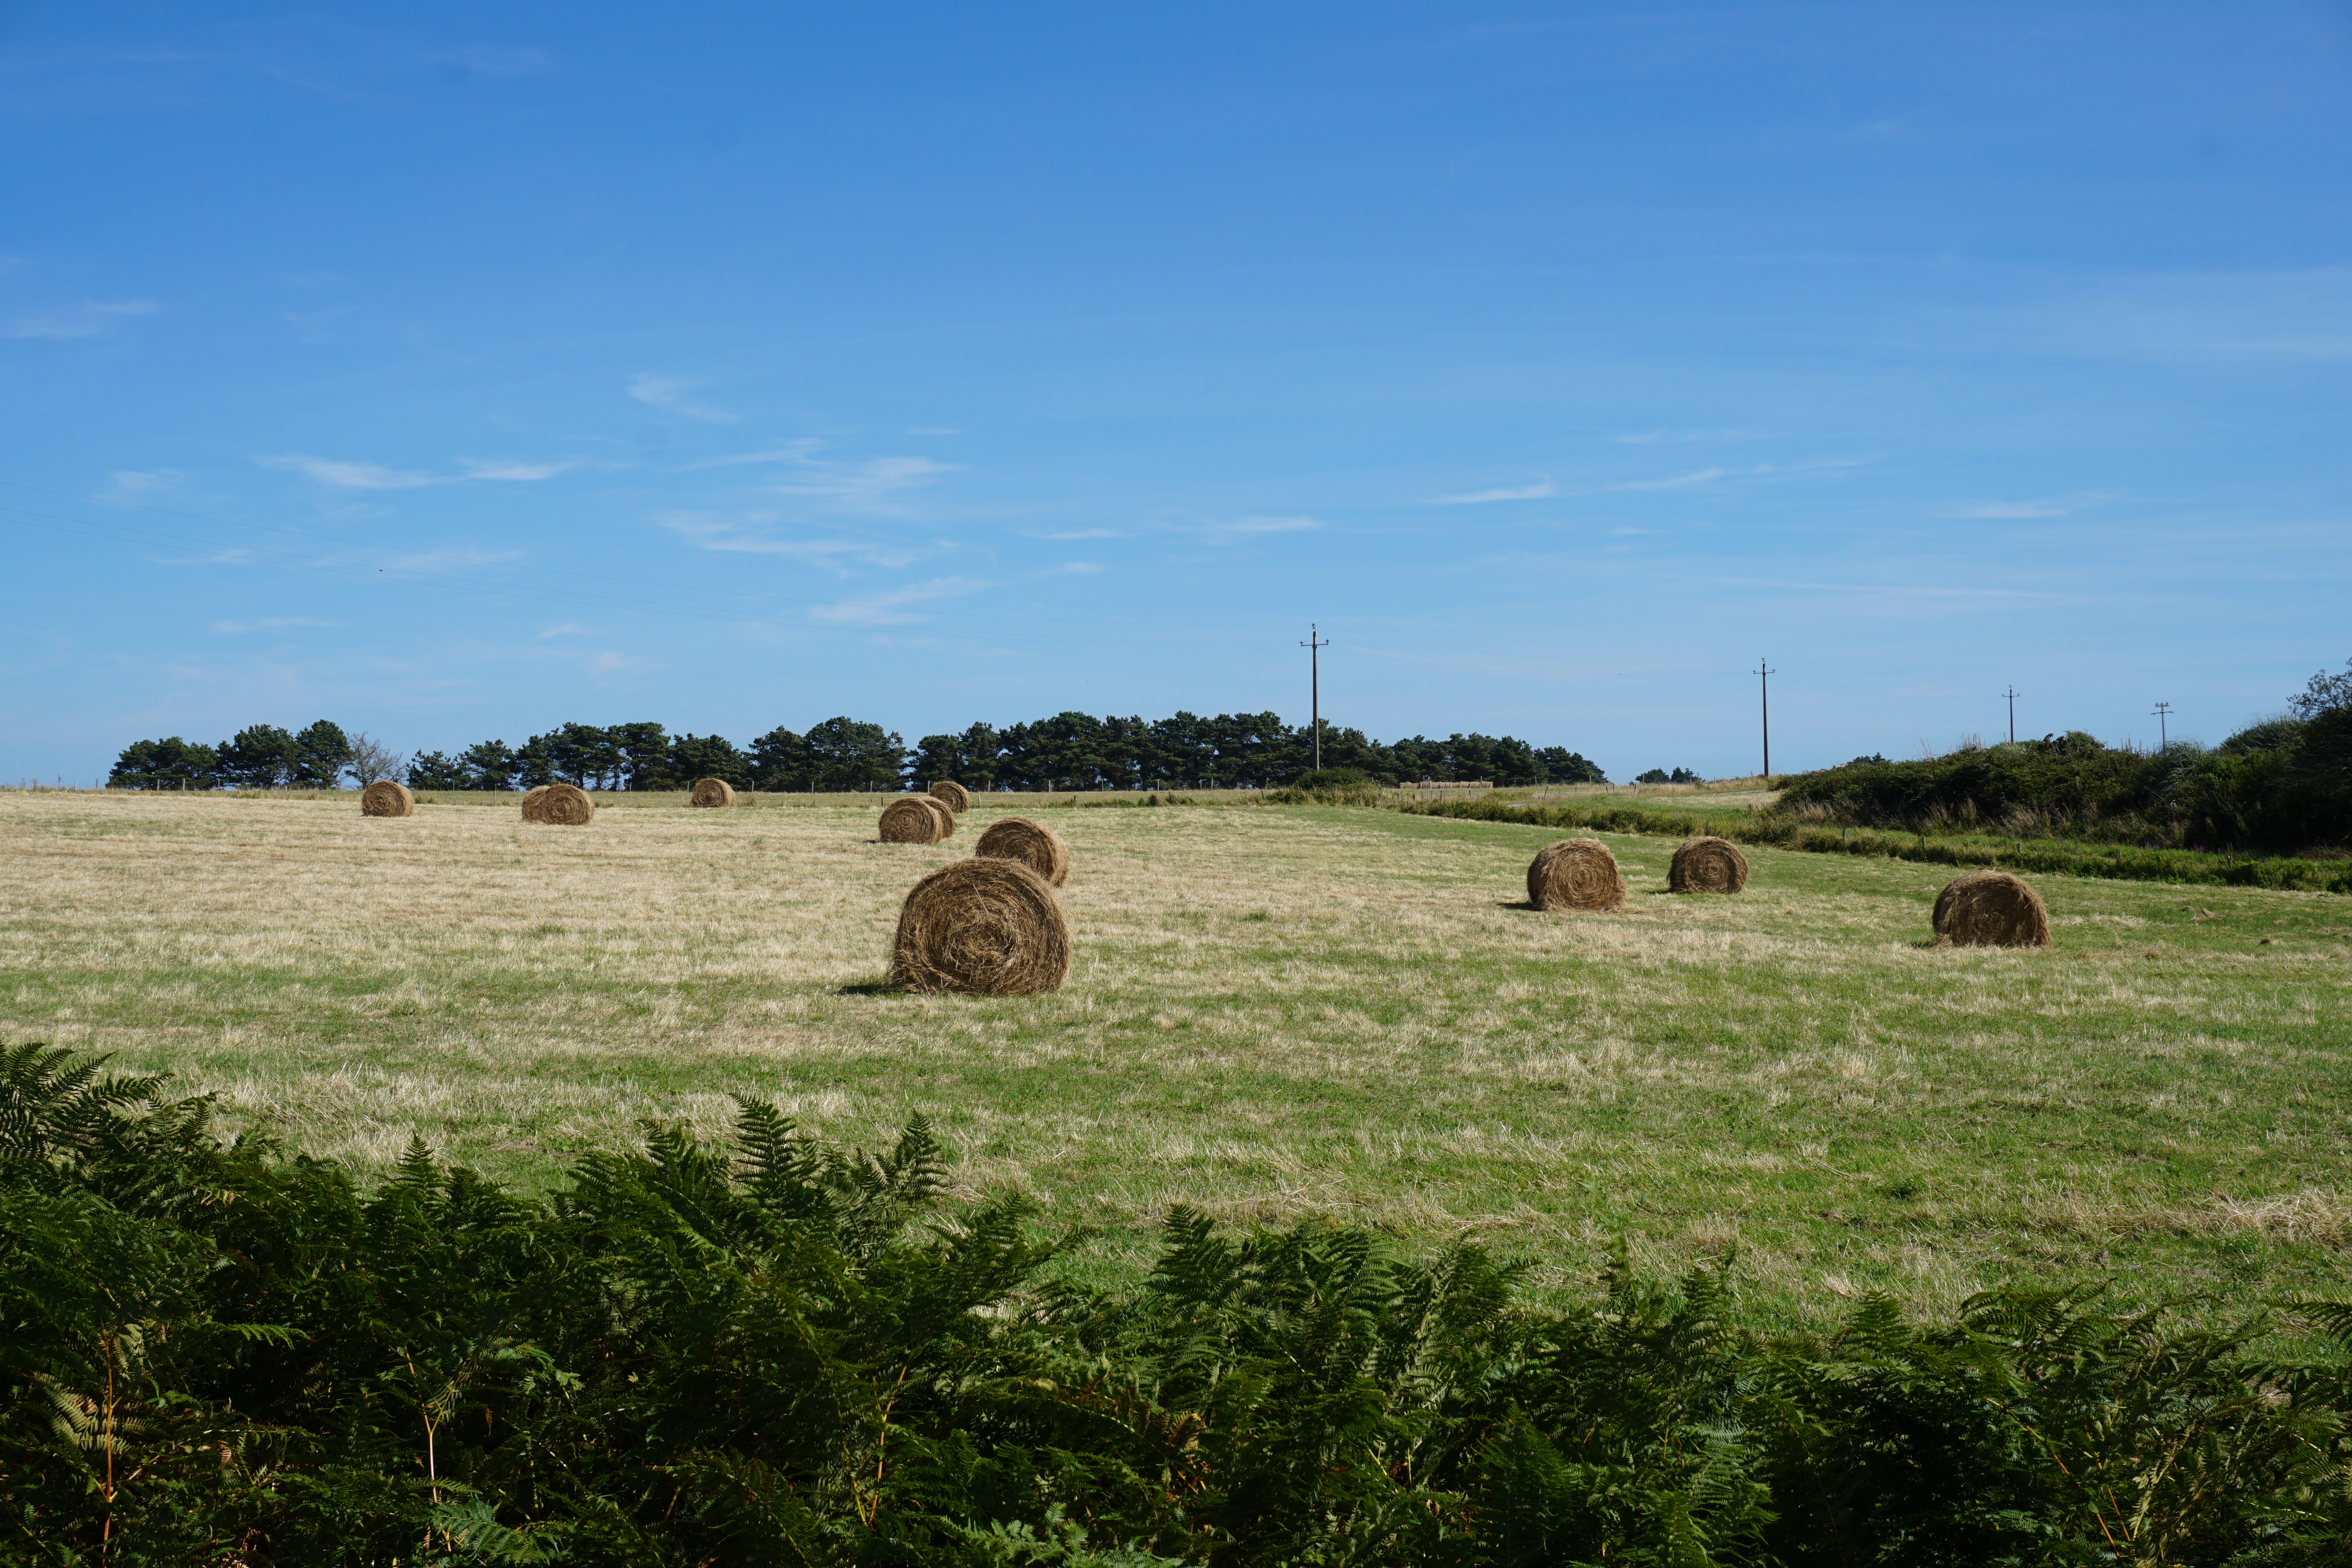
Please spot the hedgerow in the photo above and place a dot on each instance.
(217, 1351)
(1792, 832)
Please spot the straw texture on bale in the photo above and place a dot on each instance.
(564, 805)
(1708, 864)
(1032, 845)
(713, 792)
(955, 796)
(386, 799)
(1575, 873)
(988, 928)
(1991, 909)
(947, 817)
(530, 800)
(913, 819)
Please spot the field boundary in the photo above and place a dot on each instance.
(2066, 860)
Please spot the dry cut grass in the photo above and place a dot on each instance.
(1272, 1012)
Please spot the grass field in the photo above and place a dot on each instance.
(1275, 1011)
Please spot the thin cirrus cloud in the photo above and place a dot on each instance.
(874, 486)
(376, 477)
(1537, 491)
(92, 320)
(1251, 528)
(891, 608)
(752, 534)
(668, 394)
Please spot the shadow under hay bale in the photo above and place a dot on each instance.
(913, 819)
(1575, 873)
(560, 805)
(386, 799)
(1032, 845)
(1991, 909)
(984, 927)
(954, 795)
(1708, 864)
(712, 792)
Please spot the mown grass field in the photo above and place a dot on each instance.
(1275, 1011)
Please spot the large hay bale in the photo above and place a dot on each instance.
(386, 799)
(956, 796)
(1575, 873)
(913, 819)
(989, 927)
(530, 800)
(562, 805)
(712, 792)
(947, 815)
(1032, 845)
(1991, 909)
(1708, 864)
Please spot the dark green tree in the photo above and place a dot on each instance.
(781, 761)
(1562, 765)
(489, 765)
(321, 752)
(171, 763)
(431, 770)
(582, 753)
(261, 757)
(697, 756)
(844, 754)
(645, 760)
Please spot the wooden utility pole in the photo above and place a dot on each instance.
(2163, 711)
(1314, 644)
(1764, 674)
(2012, 694)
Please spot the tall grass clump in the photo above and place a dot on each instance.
(780, 1351)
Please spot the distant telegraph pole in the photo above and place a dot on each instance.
(1314, 644)
(1764, 674)
(2012, 694)
(2163, 711)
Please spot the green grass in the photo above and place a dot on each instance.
(1275, 1011)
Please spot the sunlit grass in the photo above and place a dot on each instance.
(1274, 1011)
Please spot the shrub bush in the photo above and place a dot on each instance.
(778, 1352)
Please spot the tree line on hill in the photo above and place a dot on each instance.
(776, 1350)
(2282, 784)
(1068, 751)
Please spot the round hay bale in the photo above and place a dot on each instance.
(988, 928)
(712, 792)
(1032, 845)
(564, 805)
(956, 796)
(386, 799)
(1575, 873)
(913, 819)
(530, 800)
(946, 816)
(1708, 864)
(1991, 909)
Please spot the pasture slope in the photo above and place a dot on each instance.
(1272, 1012)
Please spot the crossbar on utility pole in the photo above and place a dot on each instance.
(1764, 676)
(2012, 694)
(2163, 711)
(1314, 644)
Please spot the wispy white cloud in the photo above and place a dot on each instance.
(1535, 492)
(2042, 507)
(352, 475)
(608, 662)
(453, 557)
(1249, 527)
(501, 468)
(890, 609)
(142, 482)
(872, 486)
(1084, 568)
(791, 452)
(669, 393)
(268, 624)
(87, 320)
(753, 534)
(1676, 482)
(1068, 534)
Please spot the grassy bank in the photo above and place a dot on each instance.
(2058, 857)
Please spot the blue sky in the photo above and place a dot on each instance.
(458, 371)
